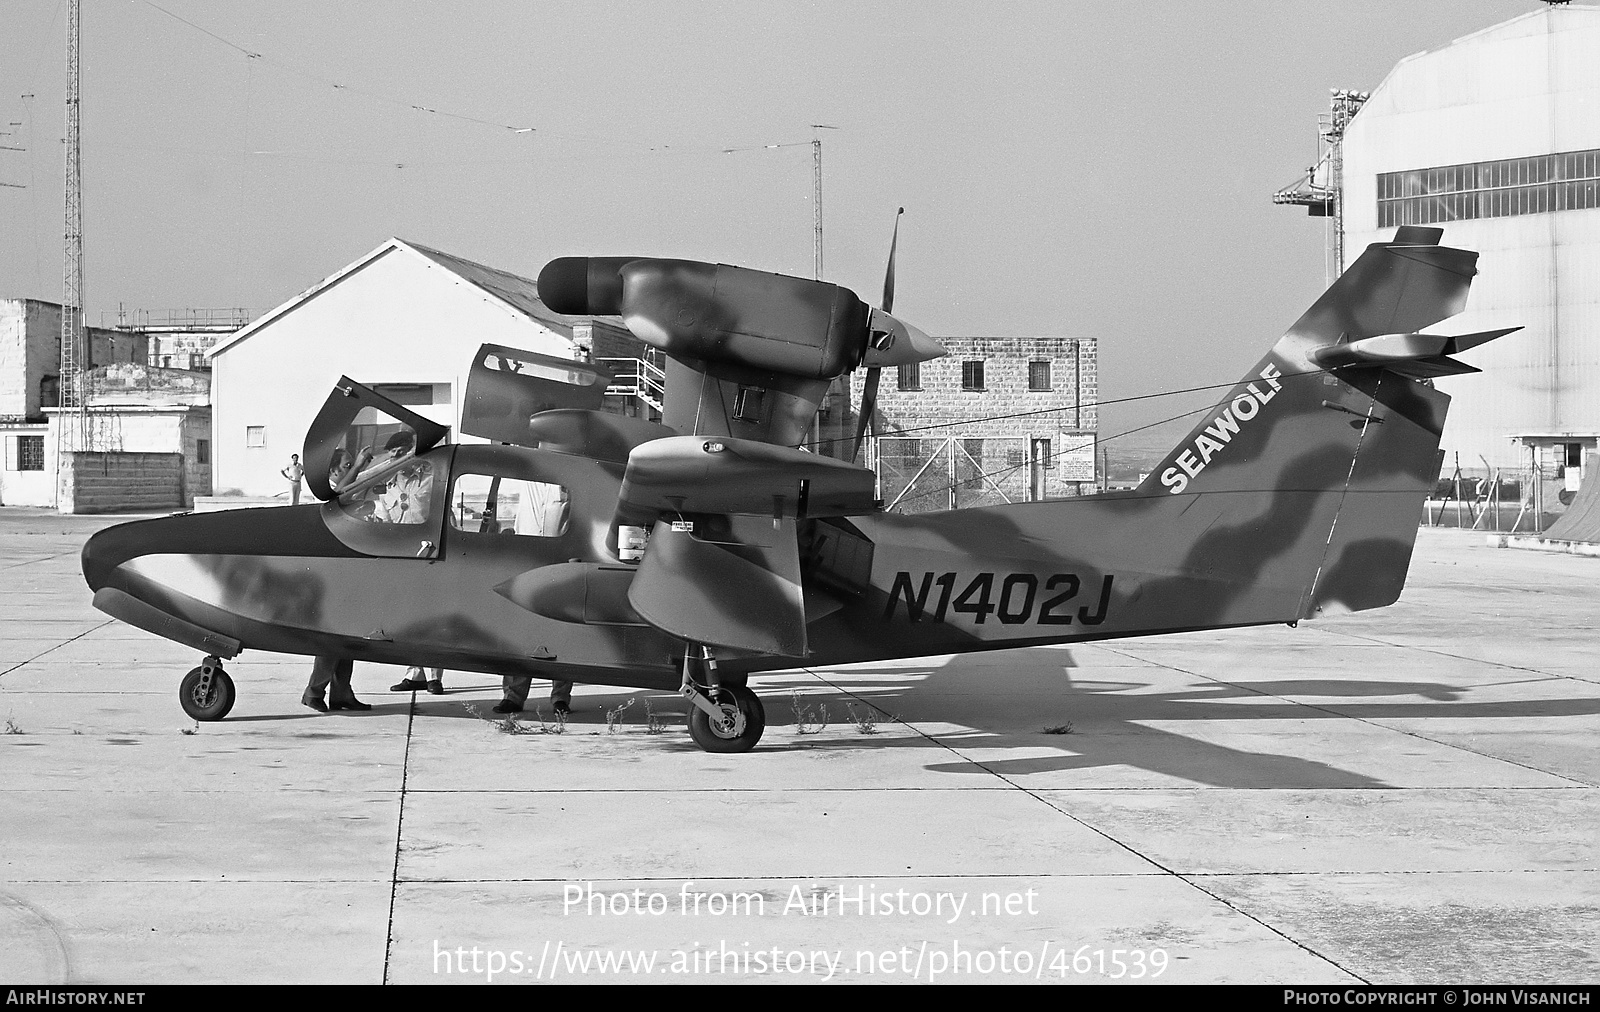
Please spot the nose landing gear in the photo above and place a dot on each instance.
(207, 692)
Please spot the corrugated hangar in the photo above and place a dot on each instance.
(1496, 137)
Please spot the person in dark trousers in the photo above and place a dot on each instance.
(331, 675)
(514, 689)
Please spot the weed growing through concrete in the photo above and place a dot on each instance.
(865, 722)
(185, 730)
(510, 724)
(1059, 728)
(556, 726)
(614, 717)
(652, 721)
(807, 720)
(11, 726)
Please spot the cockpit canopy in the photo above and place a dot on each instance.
(362, 440)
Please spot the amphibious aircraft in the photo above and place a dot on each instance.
(692, 552)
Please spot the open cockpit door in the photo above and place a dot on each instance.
(527, 399)
(360, 433)
(508, 386)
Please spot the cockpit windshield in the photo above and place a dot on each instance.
(376, 446)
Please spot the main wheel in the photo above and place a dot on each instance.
(743, 720)
(206, 702)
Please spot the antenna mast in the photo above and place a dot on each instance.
(1321, 190)
(71, 430)
(816, 203)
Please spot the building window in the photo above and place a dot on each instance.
(911, 376)
(1039, 375)
(1565, 181)
(27, 454)
(255, 435)
(972, 375)
(202, 451)
(1041, 453)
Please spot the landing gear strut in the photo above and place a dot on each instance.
(207, 693)
(722, 718)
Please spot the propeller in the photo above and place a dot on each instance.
(869, 389)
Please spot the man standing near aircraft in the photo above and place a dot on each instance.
(294, 472)
(332, 676)
(514, 693)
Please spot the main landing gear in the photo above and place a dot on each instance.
(207, 693)
(722, 718)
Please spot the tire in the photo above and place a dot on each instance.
(736, 701)
(212, 705)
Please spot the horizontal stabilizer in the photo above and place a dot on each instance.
(1419, 356)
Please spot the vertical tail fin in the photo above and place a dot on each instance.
(1317, 462)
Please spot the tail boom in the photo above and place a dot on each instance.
(1298, 495)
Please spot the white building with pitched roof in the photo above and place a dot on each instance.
(403, 319)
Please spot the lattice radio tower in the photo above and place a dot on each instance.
(72, 429)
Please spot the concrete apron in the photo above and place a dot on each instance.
(1406, 795)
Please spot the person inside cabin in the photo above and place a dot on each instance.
(541, 510)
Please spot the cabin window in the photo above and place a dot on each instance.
(495, 504)
(400, 496)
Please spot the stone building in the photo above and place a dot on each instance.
(30, 388)
(998, 419)
(30, 356)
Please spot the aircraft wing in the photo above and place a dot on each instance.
(729, 581)
(724, 561)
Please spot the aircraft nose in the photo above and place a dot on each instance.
(110, 548)
(276, 530)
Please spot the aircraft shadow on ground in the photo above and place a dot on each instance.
(1008, 700)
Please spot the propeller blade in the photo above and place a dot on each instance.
(888, 275)
(869, 404)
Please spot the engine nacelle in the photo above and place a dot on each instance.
(718, 314)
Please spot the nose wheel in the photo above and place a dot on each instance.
(207, 692)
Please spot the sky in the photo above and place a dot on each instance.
(1067, 168)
